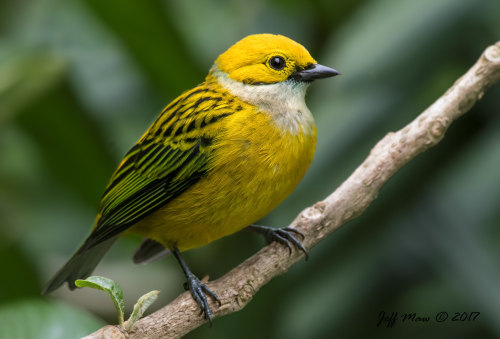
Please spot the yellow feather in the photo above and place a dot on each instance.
(254, 167)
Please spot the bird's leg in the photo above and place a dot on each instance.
(196, 287)
(285, 236)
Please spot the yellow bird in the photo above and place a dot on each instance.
(217, 159)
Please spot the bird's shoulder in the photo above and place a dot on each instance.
(196, 114)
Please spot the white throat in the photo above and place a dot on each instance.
(284, 101)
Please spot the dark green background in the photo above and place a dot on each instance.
(81, 80)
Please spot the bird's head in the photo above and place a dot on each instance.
(268, 59)
(271, 72)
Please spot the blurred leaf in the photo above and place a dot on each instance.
(24, 75)
(39, 319)
(109, 286)
(152, 40)
(19, 274)
(104, 78)
(70, 143)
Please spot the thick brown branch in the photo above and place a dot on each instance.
(236, 288)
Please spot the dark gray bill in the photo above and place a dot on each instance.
(314, 72)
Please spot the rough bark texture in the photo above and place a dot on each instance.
(237, 287)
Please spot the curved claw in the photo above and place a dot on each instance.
(284, 236)
(293, 230)
(198, 291)
(282, 239)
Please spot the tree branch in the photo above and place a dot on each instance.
(236, 288)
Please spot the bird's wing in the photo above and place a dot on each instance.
(170, 157)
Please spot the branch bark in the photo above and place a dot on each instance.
(237, 287)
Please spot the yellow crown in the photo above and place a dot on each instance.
(250, 60)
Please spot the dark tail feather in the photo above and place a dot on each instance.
(149, 251)
(80, 266)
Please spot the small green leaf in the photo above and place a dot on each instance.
(105, 284)
(139, 308)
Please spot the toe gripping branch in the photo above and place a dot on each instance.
(285, 236)
(197, 288)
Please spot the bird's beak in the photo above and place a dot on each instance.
(315, 71)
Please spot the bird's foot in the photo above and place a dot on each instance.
(285, 236)
(199, 291)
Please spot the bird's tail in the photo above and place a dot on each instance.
(80, 266)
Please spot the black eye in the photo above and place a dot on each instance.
(277, 63)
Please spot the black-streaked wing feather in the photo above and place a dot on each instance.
(137, 194)
(172, 156)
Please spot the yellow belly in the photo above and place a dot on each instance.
(255, 166)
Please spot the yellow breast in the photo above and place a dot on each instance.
(255, 166)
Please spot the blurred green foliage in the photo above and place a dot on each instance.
(81, 80)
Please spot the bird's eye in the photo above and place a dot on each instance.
(277, 63)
